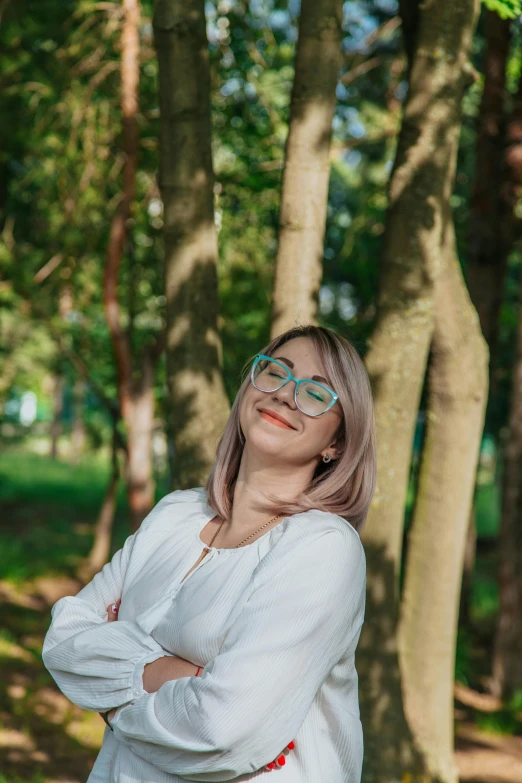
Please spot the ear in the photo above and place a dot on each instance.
(335, 450)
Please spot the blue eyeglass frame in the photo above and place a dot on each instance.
(297, 382)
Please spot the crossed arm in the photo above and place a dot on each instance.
(304, 612)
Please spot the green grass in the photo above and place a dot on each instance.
(49, 508)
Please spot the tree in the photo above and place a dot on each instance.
(298, 268)
(198, 403)
(135, 389)
(416, 261)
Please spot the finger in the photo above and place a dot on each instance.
(280, 761)
(112, 612)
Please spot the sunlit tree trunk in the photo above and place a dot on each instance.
(458, 383)
(135, 394)
(198, 403)
(299, 263)
(438, 37)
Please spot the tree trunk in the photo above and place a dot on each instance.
(507, 656)
(421, 185)
(101, 547)
(487, 251)
(140, 482)
(78, 428)
(458, 382)
(507, 659)
(486, 256)
(135, 397)
(299, 263)
(198, 403)
(56, 423)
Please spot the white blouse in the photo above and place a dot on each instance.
(275, 624)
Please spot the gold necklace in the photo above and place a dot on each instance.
(250, 536)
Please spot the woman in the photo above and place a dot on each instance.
(241, 602)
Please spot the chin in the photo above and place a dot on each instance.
(262, 442)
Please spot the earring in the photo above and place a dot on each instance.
(327, 457)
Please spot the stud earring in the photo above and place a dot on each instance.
(327, 457)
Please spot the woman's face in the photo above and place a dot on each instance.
(305, 439)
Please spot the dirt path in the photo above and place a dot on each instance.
(45, 739)
(487, 758)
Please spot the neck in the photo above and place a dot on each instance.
(255, 483)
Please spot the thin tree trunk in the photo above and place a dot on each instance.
(198, 403)
(507, 656)
(56, 423)
(486, 257)
(487, 251)
(134, 396)
(78, 428)
(101, 547)
(458, 383)
(140, 481)
(420, 186)
(299, 263)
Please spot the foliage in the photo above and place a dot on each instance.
(506, 9)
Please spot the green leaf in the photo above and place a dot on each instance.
(506, 9)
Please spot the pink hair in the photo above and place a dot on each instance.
(344, 486)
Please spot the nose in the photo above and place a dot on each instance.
(286, 394)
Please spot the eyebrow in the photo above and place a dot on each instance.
(291, 365)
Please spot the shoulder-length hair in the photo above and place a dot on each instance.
(344, 486)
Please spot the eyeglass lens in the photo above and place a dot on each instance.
(312, 398)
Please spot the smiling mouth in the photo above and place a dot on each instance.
(275, 421)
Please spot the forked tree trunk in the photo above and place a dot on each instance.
(458, 383)
(421, 184)
(135, 396)
(304, 197)
(198, 403)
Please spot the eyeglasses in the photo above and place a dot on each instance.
(311, 397)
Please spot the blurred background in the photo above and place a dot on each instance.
(182, 181)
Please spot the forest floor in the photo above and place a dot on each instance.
(43, 737)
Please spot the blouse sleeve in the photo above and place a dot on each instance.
(251, 699)
(96, 664)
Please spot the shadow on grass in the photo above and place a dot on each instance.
(47, 517)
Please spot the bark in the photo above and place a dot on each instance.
(507, 659)
(101, 547)
(507, 655)
(56, 423)
(458, 383)
(198, 403)
(304, 195)
(134, 394)
(487, 247)
(420, 186)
